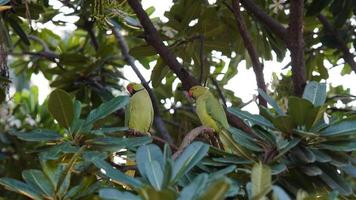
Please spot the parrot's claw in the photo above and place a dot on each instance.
(137, 133)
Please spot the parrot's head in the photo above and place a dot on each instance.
(196, 91)
(134, 87)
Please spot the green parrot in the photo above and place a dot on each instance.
(212, 115)
(139, 112)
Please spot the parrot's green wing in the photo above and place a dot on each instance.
(152, 114)
(127, 114)
(216, 111)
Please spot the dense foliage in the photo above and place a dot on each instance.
(75, 145)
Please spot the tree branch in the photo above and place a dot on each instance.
(246, 37)
(45, 54)
(296, 45)
(347, 55)
(39, 40)
(88, 26)
(152, 37)
(159, 124)
(189, 137)
(267, 20)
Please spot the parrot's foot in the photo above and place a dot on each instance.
(214, 140)
(137, 133)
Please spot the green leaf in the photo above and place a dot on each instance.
(58, 175)
(320, 156)
(271, 102)
(115, 175)
(60, 105)
(284, 123)
(132, 22)
(232, 160)
(154, 174)
(254, 119)
(18, 29)
(315, 92)
(278, 168)
(347, 146)
(301, 111)
(304, 154)
(159, 72)
(3, 2)
(291, 144)
(316, 6)
(39, 135)
(73, 59)
(311, 170)
(148, 193)
(38, 180)
(334, 180)
(221, 173)
(188, 159)
(245, 140)
(115, 144)
(54, 152)
(261, 179)
(343, 128)
(216, 191)
(20, 187)
(148, 154)
(106, 109)
(114, 194)
(195, 188)
(110, 131)
(279, 193)
(142, 51)
(87, 186)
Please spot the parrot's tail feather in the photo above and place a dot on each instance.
(231, 146)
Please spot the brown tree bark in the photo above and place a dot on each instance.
(257, 66)
(152, 37)
(296, 46)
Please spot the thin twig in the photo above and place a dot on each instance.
(49, 55)
(39, 40)
(159, 124)
(190, 137)
(152, 37)
(257, 66)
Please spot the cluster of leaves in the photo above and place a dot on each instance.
(306, 140)
(72, 155)
(300, 142)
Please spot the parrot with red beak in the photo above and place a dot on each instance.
(212, 114)
(139, 112)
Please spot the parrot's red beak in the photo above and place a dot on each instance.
(190, 94)
(130, 89)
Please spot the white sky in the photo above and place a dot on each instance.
(243, 84)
